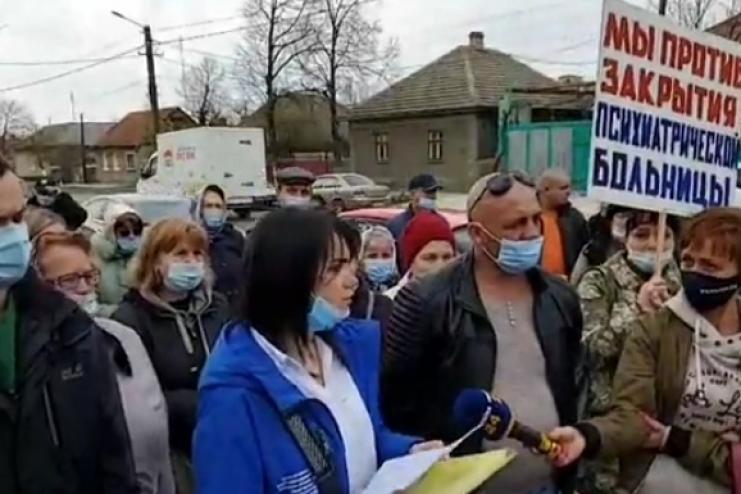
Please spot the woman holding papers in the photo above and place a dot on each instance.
(674, 421)
(289, 398)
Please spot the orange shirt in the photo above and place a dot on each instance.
(553, 257)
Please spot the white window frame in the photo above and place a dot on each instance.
(434, 145)
(381, 141)
(116, 163)
(107, 161)
(130, 166)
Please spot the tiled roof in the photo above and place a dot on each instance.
(67, 134)
(729, 28)
(135, 128)
(466, 77)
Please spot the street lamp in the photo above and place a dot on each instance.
(153, 102)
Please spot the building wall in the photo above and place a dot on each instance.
(61, 162)
(121, 165)
(27, 164)
(408, 150)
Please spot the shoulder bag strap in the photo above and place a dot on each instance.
(371, 304)
(317, 454)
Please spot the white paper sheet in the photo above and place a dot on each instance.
(400, 473)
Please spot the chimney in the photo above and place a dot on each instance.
(476, 40)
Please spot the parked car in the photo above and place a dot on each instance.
(344, 191)
(366, 218)
(151, 208)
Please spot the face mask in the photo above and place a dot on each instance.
(516, 256)
(88, 303)
(645, 262)
(184, 277)
(380, 271)
(15, 253)
(427, 204)
(128, 245)
(214, 219)
(295, 201)
(45, 200)
(708, 292)
(325, 316)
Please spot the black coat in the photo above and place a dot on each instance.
(574, 234)
(177, 369)
(227, 252)
(64, 430)
(378, 304)
(65, 206)
(440, 341)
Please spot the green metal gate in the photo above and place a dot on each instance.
(533, 147)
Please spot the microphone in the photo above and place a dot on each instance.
(477, 408)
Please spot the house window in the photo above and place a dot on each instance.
(116, 164)
(107, 161)
(130, 162)
(434, 145)
(382, 147)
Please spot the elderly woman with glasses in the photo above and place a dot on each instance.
(63, 260)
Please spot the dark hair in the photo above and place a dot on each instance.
(638, 217)
(289, 248)
(216, 190)
(4, 166)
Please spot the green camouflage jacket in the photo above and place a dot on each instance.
(609, 301)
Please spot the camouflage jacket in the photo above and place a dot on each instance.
(609, 301)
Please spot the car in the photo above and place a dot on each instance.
(367, 218)
(345, 191)
(151, 208)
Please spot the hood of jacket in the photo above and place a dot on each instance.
(239, 361)
(104, 243)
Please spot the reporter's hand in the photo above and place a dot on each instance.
(571, 445)
(426, 446)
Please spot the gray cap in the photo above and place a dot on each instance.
(294, 175)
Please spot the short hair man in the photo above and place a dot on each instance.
(491, 320)
(59, 398)
(423, 190)
(48, 194)
(294, 186)
(565, 231)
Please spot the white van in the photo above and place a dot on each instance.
(232, 158)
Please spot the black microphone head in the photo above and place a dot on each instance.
(470, 408)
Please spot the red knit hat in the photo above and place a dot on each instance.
(424, 228)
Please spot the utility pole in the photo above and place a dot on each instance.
(153, 101)
(83, 157)
(662, 7)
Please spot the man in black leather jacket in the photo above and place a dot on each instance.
(492, 320)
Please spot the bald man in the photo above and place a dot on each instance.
(565, 231)
(491, 320)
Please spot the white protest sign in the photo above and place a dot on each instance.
(667, 114)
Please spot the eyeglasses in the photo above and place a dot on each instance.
(126, 232)
(70, 282)
(500, 184)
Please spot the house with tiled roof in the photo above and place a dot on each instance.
(729, 28)
(442, 119)
(130, 142)
(54, 150)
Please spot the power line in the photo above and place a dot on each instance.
(202, 36)
(198, 23)
(41, 63)
(68, 72)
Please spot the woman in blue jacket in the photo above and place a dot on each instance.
(289, 400)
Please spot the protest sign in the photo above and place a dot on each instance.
(667, 115)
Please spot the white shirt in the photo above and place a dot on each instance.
(341, 396)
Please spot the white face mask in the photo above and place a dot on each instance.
(88, 303)
(294, 201)
(646, 261)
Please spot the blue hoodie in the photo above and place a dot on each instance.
(241, 442)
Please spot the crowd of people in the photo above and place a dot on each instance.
(186, 356)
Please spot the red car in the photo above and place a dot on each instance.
(365, 218)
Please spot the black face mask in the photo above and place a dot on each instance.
(708, 292)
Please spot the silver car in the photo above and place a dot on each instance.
(151, 208)
(343, 191)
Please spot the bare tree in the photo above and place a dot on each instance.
(204, 92)
(277, 33)
(15, 121)
(695, 14)
(346, 54)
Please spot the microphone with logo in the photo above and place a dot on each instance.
(475, 408)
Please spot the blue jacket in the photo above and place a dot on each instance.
(398, 223)
(241, 441)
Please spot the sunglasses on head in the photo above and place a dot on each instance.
(500, 184)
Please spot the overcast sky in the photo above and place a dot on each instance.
(541, 32)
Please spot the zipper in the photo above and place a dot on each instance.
(50, 417)
(202, 334)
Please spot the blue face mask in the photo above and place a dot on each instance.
(214, 219)
(427, 204)
(15, 253)
(516, 256)
(380, 271)
(325, 316)
(128, 245)
(183, 277)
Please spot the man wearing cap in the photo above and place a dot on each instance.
(423, 190)
(294, 187)
(491, 320)
(47, 194)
